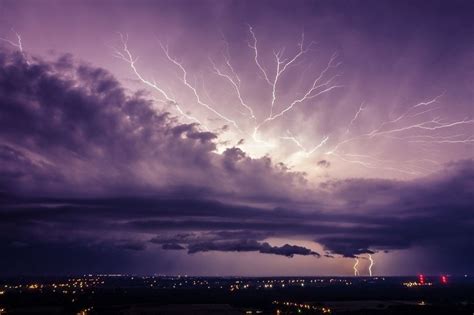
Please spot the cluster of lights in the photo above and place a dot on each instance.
(234, 287)
(78, 285)
(416, 284)
(164, 282)
(70, 286)
(85, 311)
(152, 282)
(422, 282)
(302, 306)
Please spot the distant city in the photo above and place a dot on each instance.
(182, 294)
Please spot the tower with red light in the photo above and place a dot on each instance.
(421, 279)
(444, 279)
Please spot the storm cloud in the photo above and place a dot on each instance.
(103, 170)
(67, 127)
(250, 246)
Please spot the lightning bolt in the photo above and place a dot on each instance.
(127, 56)
(427, 130)
(359, 111)
(431, 125)
(315, 90)
(389, 130)
(371, 165)
(282, 64)
(235, 84)
(312, 92)
(372, 263)
(356, 271)
(253, 45)
(319, 86)
(378, 132)
(193, 89)
(304, 150)
(18, 44)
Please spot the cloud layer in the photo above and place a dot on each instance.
(105, 172)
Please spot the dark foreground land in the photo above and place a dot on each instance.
(120, 294)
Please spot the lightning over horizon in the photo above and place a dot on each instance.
(372, 263)
(234, 138)
(418, 117)
(355, 267)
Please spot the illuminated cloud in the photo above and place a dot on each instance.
(212, 141)
(82, 133)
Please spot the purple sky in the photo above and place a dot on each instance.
(236, 137)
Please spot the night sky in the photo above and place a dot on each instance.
(236, 137)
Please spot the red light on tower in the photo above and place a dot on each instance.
(421, 279)
(444, 279)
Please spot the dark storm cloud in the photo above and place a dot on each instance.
(246, 245)
(86, 165)
(209, 236)
(420, 215)
(67, 127)
(131, 245)
(229, 241)
(172, 246)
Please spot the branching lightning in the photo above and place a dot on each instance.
(417, 126)
(394, 129)
(304, 150)
(127, 56)
(253, 45)
(235, 83)
(317, 88)
(359, 111)
(193, 89)
(320, 85)
(18, 44)
(426, 128)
